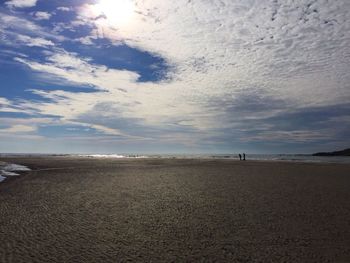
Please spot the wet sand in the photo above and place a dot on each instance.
(91, 210)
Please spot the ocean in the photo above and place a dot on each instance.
(256, 157)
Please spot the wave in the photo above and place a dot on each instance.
(10, 169)
(254, 157)
(117, 156)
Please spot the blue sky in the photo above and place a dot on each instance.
(159, 76)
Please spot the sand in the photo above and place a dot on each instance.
(91, 210)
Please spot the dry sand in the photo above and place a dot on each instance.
(89, 210)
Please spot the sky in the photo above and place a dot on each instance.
(164, 76)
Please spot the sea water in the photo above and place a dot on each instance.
(256, 157)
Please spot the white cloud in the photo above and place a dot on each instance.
(11, 26)
(85, 40)
(34, 41)
(42, 15)
(12, 23)
(71, 68)
(21, 3)
(10, 106)
(18, 129)
(28, 126)
(64, 9)
(4, 102)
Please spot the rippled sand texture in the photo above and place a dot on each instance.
(88, 210)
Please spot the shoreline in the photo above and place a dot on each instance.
(21, 161)
(251, 158)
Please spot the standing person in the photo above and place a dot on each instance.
(240, 157)
(243, 156)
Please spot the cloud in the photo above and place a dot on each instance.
(42, 15)
(4, 102)
(11, 25)
(312, 126)
(11, 22)
(21, 3)
(23, 126)
(18, 129)
(8, 106)
(34, 41)
(64, 8)
(76, 70)
(296, 136)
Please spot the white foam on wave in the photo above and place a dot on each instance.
(116, 156)
(7, 173)
(15, 168)
(102, 155)
(10, 169)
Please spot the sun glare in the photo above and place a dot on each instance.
(116, 11)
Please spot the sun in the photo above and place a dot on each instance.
(117, 12)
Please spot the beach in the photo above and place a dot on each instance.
(71, 209)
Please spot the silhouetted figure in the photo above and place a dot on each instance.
(243, 156)
(240, 157)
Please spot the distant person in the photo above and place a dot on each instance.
(243, 156)
(240, 157)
